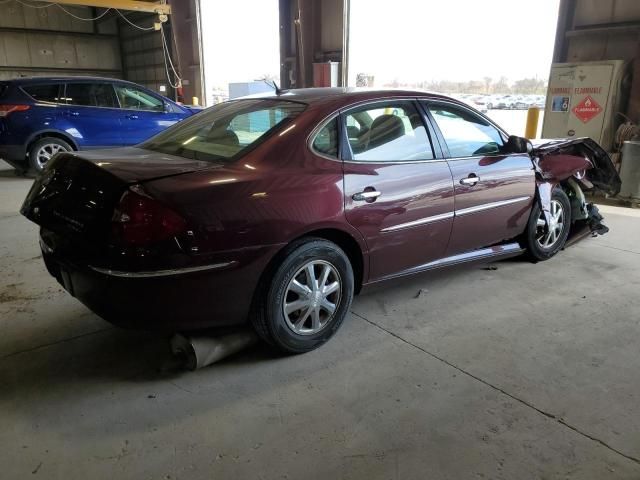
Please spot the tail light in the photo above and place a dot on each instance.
(141, 220)
(5, 110)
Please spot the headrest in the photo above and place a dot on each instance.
(385, 129)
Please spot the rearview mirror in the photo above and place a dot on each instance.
(517, 144)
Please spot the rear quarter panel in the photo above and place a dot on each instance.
(260, 203)
(21, 127)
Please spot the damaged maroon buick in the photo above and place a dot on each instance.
(275, 211)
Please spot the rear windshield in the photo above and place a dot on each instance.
(226, 131)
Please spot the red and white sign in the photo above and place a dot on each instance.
(587, 109)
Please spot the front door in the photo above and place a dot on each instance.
(494, 191)
(398, 189)
(143, 114)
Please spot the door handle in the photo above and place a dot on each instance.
(366, 196)
(72, 114)
(132, 117)
(471, 180)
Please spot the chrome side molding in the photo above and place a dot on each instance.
(489, 206)
(457, 213)
(422, 221)
(161, 273)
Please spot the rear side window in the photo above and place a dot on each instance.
(226, 130)
(91, 95)
(392, 132)
(326, 140)
(44, 93)
(132, 98)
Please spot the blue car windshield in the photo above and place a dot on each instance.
(226, 131)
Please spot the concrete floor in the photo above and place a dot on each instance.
(527, 371)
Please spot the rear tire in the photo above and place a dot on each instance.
(304, 301)
(541, 242)
(44, 149)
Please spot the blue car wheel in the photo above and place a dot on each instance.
(44, 149)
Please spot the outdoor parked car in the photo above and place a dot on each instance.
(40, 116)
(504, 102)
(492, 101)
(521, 103)
(275, 211)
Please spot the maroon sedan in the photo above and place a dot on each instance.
(277, 210)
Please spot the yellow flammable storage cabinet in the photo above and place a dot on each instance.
(582, 100)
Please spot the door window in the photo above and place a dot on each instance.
(132, 98)
(466, 134)
(389, 132)
(90, 95)
(43, 93)
(326, 140)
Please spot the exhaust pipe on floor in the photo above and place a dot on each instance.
(200, 351)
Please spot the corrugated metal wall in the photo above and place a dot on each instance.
(47, 41)
(597, 30)
(591, 30)
(142, 53)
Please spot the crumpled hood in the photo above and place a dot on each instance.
(559, 159)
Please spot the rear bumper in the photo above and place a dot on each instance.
(13, 154)
(216, 295)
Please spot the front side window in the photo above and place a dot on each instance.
(466, 134)
(226, 130)
(132, 98)
(43, 93)
(91, 95)
(392, 132)
(326, 140)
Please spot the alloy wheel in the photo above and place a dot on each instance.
(46, 152)
(549, 237)
(312, 297)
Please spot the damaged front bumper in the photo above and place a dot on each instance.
(578, 165)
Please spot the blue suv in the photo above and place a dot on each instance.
(40, 117)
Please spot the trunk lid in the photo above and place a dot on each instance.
(137, 165)
(77, 193)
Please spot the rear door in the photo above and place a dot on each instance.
(494, 191)
(398, 188)
(143, 114)
(91, 115)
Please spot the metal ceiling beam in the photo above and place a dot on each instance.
(134, 5)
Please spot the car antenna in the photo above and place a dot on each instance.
(272, 83)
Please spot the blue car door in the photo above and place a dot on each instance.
(92, 115)
(143, 114)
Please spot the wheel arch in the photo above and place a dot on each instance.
(50, 133)
(343, 239)
(349, 245)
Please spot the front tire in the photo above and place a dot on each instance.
(544, 242)
(303, 303)
(44, 149)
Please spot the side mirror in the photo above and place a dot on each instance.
(517, 144)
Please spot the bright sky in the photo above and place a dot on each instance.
(415, 40)
(411, 40)
(240, 41)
